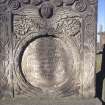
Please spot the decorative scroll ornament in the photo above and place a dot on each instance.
(81, 5)
(14, 4)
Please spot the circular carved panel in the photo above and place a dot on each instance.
(46, 63)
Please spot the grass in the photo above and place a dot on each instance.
(98, 62)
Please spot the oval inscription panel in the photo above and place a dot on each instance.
(45, 63)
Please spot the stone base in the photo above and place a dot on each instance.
(50, 101)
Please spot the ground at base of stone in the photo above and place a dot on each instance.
(50, 101)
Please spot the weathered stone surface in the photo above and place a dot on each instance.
(50, 101)
(47, 48)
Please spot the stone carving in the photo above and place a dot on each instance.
(69, 2)
(3, 18)
(81, 5)
(25, 24)
(36, 2)
(4, 55)
(89, 52)
(26, 1)
(92, 1)
(48, 47)
(2, 1)
(3, 8)
(58, 2)
(69, 25)
(14, 4)
(89, 29)
(48, 69)
(46, 10)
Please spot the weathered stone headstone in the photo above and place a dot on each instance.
(47, 52)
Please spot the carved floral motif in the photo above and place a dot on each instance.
(25, 24)
(69, 25)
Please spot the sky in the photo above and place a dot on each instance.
(101, 17)
(101, 14)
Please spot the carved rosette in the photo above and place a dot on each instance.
(81, 5)
(14, 4)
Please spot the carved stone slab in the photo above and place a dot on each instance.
(47, 47)
(50, 101)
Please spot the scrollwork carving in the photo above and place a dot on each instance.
(14, 4)
(81, 5)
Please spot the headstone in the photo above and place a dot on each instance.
(47, 52)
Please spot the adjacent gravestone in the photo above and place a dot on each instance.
(47, 52)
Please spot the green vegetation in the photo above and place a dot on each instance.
(98, 62)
